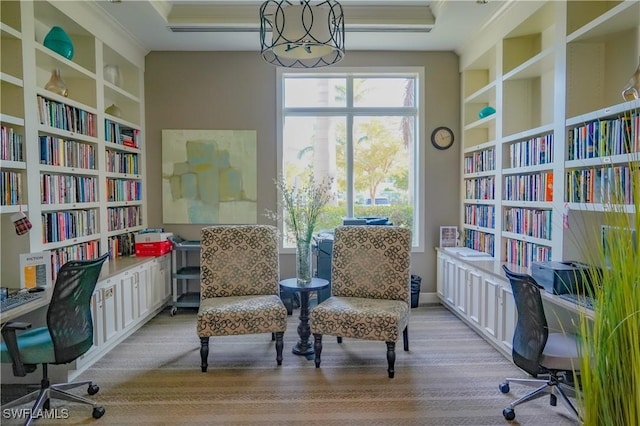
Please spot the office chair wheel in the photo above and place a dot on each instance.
(504, 387)
(98, 412)
(553, 400)
(93, 389)
(508, 413)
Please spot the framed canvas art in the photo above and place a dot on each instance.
(209, 176)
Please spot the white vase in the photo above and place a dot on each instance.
(112, 74)
(631, 91)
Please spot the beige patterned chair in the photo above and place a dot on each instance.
(370, 286)
(239, 285)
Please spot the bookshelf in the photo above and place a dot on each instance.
(74, 169)
(538, 175)
(562, 138)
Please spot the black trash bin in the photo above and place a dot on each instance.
(415, 290)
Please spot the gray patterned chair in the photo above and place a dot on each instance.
(370, 285)
(239, 285)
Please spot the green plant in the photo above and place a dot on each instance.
(301, 203)
(610, 364)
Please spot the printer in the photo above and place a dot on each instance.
(563, 277)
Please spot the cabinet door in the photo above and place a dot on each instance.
(507, 317)
(128, 297)
(442, 260)
(461, 288)
(474, 295)
(490, 306)
(449, 281)
(110, 309)
(144, 292)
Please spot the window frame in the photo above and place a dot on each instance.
(357, 72)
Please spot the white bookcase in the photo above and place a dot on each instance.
(550, 69)
(81, 186)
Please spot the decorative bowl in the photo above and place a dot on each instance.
(58, 41)
(486, 111)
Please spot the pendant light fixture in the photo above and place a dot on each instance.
(302, 34)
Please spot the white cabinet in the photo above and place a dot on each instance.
(124, 301)
(482, 299)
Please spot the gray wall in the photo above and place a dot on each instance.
(236, 91)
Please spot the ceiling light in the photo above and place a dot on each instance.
(302, 35)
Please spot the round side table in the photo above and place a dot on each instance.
(304, 347)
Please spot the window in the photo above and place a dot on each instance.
(362, 129)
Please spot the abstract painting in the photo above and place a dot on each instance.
(209, 176)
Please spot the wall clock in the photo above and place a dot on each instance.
(442, 137)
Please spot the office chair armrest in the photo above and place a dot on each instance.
(10, 339)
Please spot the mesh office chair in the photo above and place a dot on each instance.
(370, 279)
(538, 352)
(67, 335)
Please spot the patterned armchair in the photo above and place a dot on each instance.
(239, 285)
(370, 284)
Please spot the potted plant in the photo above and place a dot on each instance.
(610, 365)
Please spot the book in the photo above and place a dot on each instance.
(35, 269)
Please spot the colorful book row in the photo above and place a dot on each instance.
(11, 147)
(531, 152)
(122, 245)
(124, 190)
(56, 151)
(116, 133)
(480, 161)
(529, 187)
(59, 189)
(122, 162)
(83, 251)
(523, 253)
(66, 225)
(531, 222)
(66, 117)
(480, 215)
(123, 217)
(605, 137)
(11, 188)
(601, 185)
(480, 241)
(480, 188)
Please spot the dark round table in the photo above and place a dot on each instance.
(304, 346)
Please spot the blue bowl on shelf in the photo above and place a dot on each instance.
(486, 111)
(58, 41)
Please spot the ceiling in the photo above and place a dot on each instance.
(233, 25)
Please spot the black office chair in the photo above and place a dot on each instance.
(538, 352)
(67, 335)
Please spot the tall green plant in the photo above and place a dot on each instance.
(609, 392)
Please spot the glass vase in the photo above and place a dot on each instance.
(303, 261)
(56, 84)
(631, 91)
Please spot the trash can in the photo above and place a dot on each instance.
(415, 290)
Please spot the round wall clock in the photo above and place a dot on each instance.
(442, 137)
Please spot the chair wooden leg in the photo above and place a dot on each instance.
(204, 353)
(317, 347)
(405, 338)
(391, 358)
(279, 345)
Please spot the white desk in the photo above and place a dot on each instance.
(11, 314)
